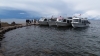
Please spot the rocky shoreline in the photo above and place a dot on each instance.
(3, 30)
(6, 29)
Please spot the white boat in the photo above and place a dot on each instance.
(80, 22)
(63, 22)
(43, 21)
(52, 22)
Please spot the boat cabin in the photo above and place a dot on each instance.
(43, 19)
(80, 20)
(69, 19)
(62, 20)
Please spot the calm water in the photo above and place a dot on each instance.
(53, 41)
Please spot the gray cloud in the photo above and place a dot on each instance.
(54, 7)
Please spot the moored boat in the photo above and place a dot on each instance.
(43, 21)
(52, 22)
(63, 21)
(80, 22)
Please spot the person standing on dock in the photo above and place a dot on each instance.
(0, 23)
(34, 21)
(30, 21)
(27, 22)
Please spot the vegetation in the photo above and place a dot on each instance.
(5, 24)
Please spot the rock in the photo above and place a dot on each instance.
(6, 29)
(1, 54)
(1, 35)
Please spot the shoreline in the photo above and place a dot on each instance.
(3, 30)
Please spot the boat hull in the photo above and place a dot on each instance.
(62, 24)
(52, 23)
(79, 25)
(43, 22)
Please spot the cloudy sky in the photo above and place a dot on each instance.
(47, 8)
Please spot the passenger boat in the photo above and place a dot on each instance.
(43, 21)
(80, 22)
(64, 21)
(52, 22)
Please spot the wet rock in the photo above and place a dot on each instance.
(1, 54)
(20, 55)
(47, 51)
(1, 35)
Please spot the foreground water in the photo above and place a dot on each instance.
(53, 41)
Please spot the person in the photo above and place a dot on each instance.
(13, 23)
(30, 21)
(27, 21)
(0, 24)
(34, 20)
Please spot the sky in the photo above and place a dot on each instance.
(48, 8)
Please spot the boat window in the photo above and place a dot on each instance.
(75, 20)
(69, 17)
(41, 19)
(70, 21)
(67, 21)
(79, 20)
(64, 20)
(60, 20)
(45, 19)
(52, 19)
(83, 21)
(87, 21)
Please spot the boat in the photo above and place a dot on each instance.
(80, 22)
(64, 21)
(52, 22)
(43, 21)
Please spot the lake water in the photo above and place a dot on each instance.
(53, 41)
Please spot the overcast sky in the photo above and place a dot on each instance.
(47, 8)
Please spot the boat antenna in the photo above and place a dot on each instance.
(80, 15)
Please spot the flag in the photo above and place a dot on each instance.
(80, 15)
(60, 17)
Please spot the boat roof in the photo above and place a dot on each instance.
(76, 18)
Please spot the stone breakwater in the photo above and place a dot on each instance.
(6, 29)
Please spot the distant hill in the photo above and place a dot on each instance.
(19, 14)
